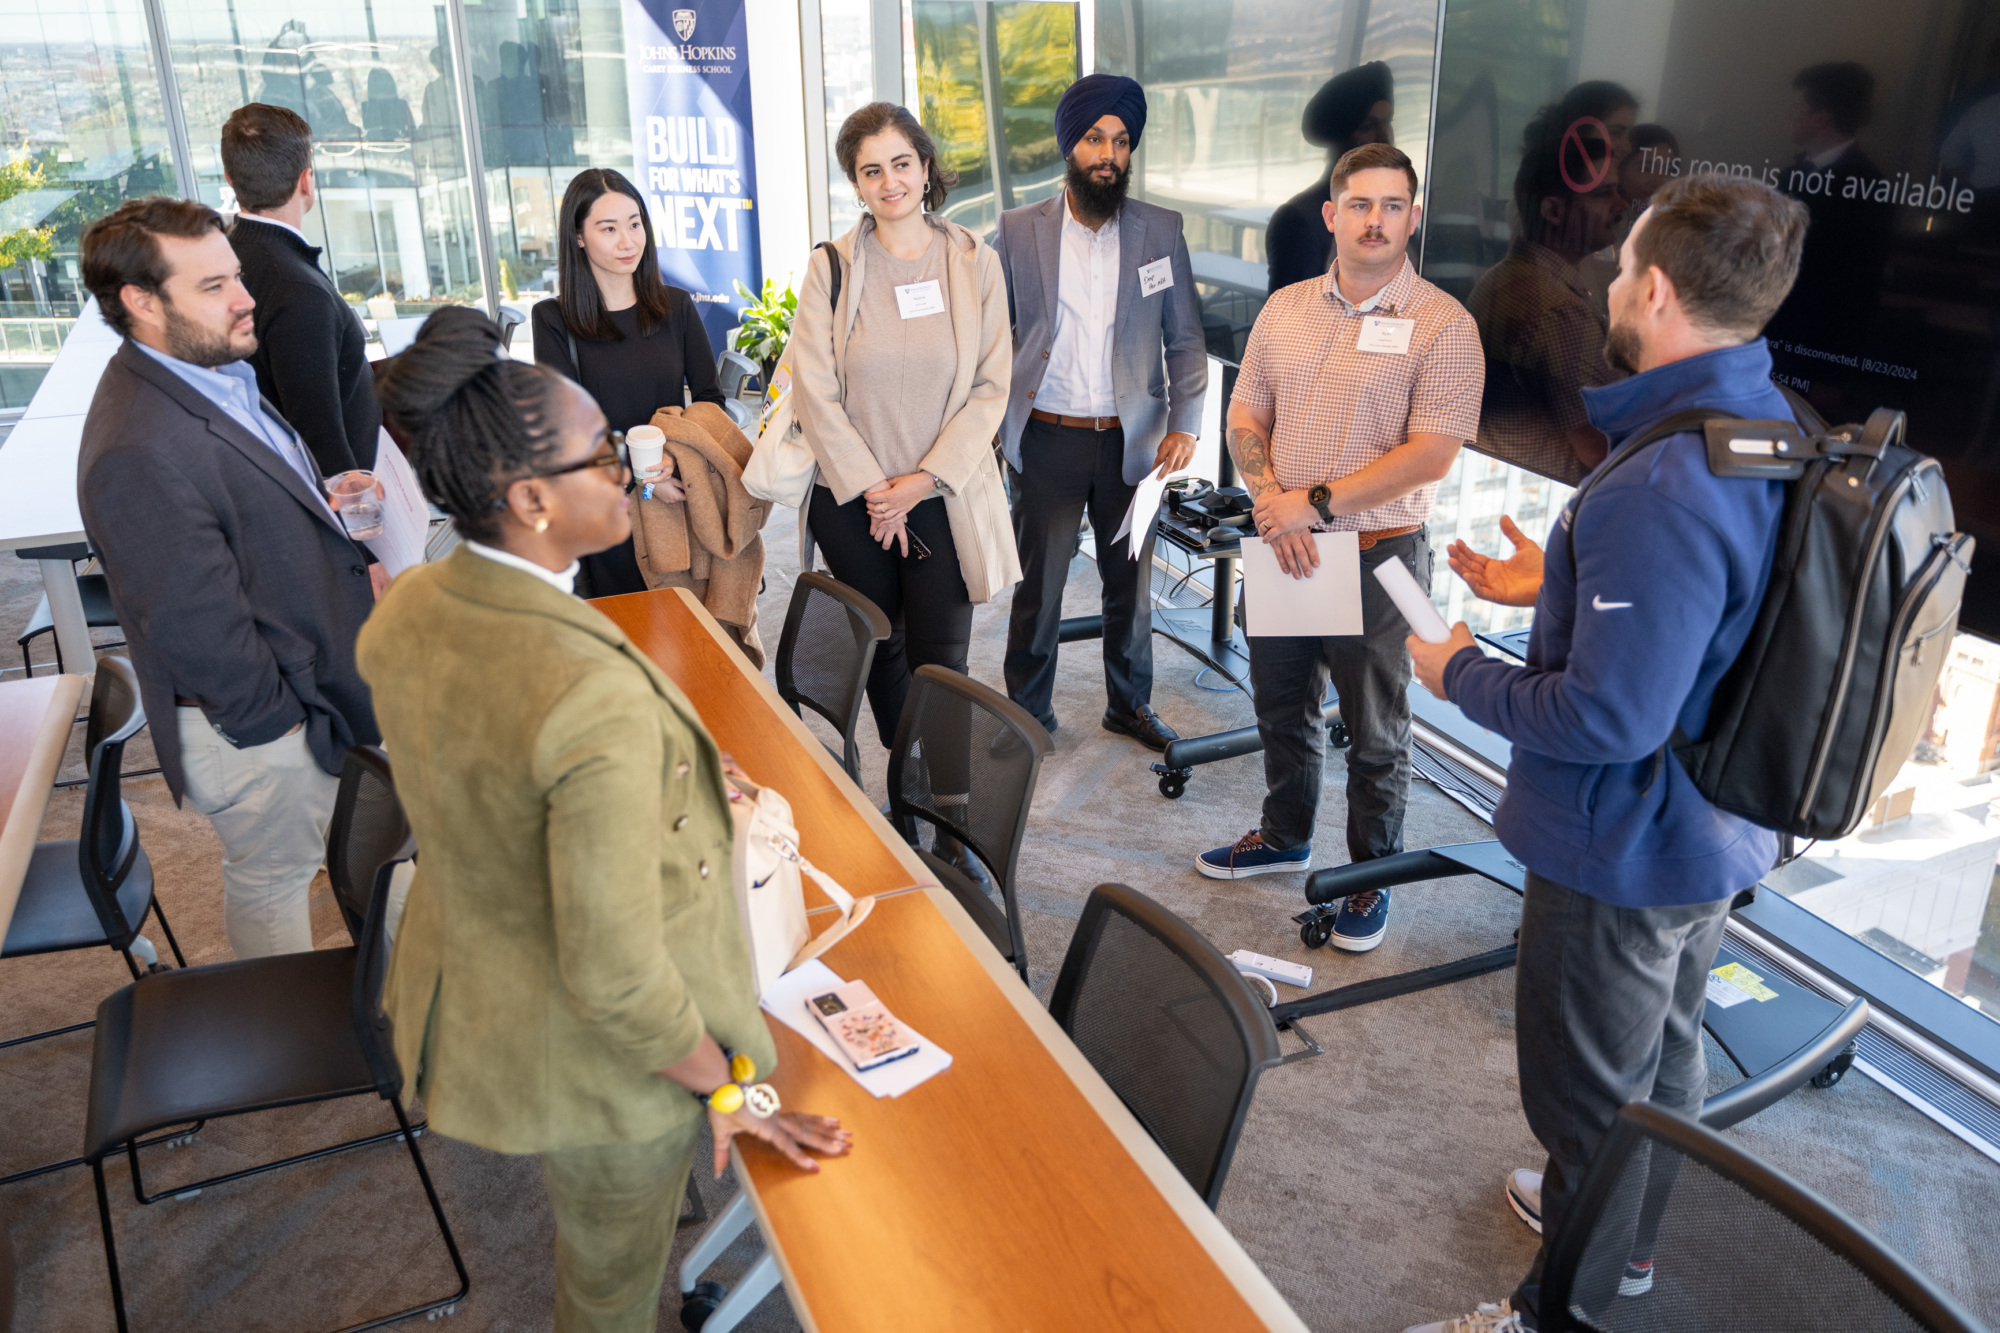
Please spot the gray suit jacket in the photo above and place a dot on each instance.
(232, 583)
(1159, 362)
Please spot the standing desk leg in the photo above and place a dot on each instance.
(66, 610)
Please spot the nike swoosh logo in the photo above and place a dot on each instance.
(1598, 603)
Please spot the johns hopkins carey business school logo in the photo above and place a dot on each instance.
(683, 23)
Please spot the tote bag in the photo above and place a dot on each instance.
(770, 888)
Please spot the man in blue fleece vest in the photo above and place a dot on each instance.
(1649, 590)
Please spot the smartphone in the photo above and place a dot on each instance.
(862, 1026)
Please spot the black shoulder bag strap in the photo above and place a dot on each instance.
(833, 280)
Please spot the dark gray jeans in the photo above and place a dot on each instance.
(1607, 1010)
(1371, 671)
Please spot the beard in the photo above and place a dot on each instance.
(1099, 199)
(190, 342)
(1621, 348)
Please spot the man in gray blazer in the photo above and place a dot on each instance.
(1109, 373)
(239, 591)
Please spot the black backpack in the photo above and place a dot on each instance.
(1825, 701)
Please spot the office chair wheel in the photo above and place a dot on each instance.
(700, 1303)
(1173, 785)
(1836, 1068)
(1336, 734)
(1315, 933)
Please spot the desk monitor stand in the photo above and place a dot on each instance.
(1788, 1037)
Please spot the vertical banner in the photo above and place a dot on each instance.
(689, 76)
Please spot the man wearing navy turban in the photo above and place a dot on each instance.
(1109, 374)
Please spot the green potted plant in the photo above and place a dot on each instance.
(764, 325)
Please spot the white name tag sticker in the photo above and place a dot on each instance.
(917, 299)
(1156, 276)
(1380, 333)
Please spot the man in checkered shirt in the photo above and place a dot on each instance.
(1357, 390)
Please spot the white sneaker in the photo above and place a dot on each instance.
(1524, 1196)
(1486, 1319)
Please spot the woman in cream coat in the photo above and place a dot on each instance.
(570, 964)
(899, 389)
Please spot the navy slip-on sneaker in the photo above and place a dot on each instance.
(1249, 856)
(1363, 921)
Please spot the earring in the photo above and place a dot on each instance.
(541, 525)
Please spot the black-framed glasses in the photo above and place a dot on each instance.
(619, 457)
(917, 547)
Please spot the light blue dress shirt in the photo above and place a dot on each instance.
(233, 388)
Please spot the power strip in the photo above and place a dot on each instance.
(1276, 969)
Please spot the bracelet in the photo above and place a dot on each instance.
(733, 1096)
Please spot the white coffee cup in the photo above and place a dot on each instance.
(647, 447)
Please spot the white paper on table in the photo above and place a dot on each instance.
(1145, 507)
(1329, 602)
(406, 518)
(786, 1002)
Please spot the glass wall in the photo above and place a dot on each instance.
(374, 81)
(988, 79)
(848, 65)
(82, 129)
(1556, 123)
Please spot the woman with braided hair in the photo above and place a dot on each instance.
(570, 973)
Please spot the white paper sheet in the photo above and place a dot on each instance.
(406, 519)
(786, 1002)
(1329, 602)
(1145, 507)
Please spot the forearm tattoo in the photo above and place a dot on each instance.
(1252, 453)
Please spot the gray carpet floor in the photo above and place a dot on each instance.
(1368, 1183)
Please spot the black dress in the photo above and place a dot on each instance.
(631, 379)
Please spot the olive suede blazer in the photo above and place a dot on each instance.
(572, 927)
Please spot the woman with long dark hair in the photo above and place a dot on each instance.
(570, 965)
(615, 327)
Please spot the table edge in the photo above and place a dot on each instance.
(921, 877)
(1264, 1300)
(31, 800)
(1236, 1264)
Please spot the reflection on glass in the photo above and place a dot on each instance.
(1556, 123)
(988, 79)
(81, 131)
(847, 63)
(1245, 104)
(549, 83)
(394, 216)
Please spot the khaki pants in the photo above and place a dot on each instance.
(270, 804)
(616, 1206)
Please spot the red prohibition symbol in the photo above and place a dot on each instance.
(1599, 170)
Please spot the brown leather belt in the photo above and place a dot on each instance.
(1368, 539)
(182, 701)
(1079, 423)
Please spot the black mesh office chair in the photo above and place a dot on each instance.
(1171, 1025)
(92, 891)
(828, 645)
(261, 1033)
(965, 762)
(1674, 1228)
(94, 591)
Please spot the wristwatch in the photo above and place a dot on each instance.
(1317, 497)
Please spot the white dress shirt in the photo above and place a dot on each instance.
(561, 580)
(1077, 382)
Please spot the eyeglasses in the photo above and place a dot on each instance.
(619, 458)
(917, 547)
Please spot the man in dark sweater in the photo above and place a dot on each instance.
(1651, 587)
(311, 360)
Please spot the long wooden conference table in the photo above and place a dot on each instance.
(35, 719)
(1012, 1192)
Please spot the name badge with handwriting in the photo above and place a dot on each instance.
(917, 299)
(1155, 277)
(1384, 334)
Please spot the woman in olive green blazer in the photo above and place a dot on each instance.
(570, 964)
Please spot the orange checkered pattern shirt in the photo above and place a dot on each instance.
(1339, 408)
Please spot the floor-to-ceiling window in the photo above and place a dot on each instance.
(82, 129)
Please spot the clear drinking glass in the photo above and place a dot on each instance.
(355, 498)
